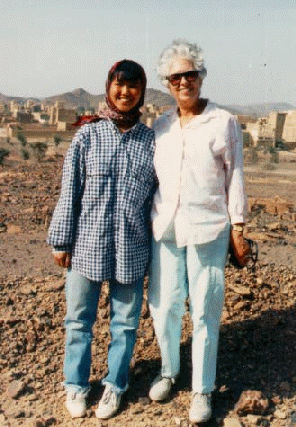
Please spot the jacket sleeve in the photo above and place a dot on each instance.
(61, 234)
(233, 160)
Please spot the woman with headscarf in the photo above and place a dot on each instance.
(199, 203)
(100, 231)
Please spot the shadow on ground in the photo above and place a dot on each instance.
(255, 354)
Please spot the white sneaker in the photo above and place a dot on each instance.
(76, 403)
(161, 388)
(200, 410)
(109, 403)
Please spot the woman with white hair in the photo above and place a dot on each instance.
(199, 204)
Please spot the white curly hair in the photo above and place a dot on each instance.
(183, 49)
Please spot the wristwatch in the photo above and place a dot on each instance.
(238, 227)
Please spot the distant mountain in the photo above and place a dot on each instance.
(76, 98)
(4, 99)
(81, 98)
(258, 110)
(158, 98)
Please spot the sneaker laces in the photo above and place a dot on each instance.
(109, 396)
(159, 378)
(202, 398)
(79, 394)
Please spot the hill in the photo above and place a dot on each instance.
(4, 99)
(81, 98)
(258, 109)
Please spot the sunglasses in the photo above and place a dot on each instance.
(190, 76)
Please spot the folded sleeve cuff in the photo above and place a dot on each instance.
(61, 249)
(237, 220)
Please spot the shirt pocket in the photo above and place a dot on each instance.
(138, 185)
(96, 185)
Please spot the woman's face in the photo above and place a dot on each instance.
(125, 94)
(186, 93)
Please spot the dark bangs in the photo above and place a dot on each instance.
(129, 71)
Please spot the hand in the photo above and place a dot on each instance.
(63, 259)
(241, 248)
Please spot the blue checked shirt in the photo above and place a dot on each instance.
(102, 216)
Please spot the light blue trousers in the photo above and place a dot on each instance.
(82, 296)
(196, 271)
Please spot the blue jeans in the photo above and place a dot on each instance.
(82, 296)
(197, 272)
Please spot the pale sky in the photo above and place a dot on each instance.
(49, 47)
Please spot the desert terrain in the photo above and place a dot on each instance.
(256, 376)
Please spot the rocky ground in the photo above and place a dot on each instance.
(256, 378)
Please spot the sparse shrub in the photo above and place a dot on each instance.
(280, 145)
(268, 166)
(57, 140)
(22, 139)
(251, 155)
(3, 153)
(246, 139)
(39, 149)
(25, 154)
(274, 155)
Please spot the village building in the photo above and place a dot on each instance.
(102, 105)
(271, 131)
(23, 116)
(41, 117)
(289, 129)
(2, 108)
(62, 117)
(29, 103)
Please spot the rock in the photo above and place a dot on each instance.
(284, 386)
(240, 305)
(15, 388)
(38, 423)
(251, 402)
(144, 401)
(45, 209)
(55, 286)
(29, 210)
(241, 290)
(3, 227)
(137, 410)
(273, 226)
(14, 412)
(225, 316)
(27, 289)
(232, 422)
(181, 422)
(279, 413)
(13, 229)
(276, 400)
(3, 421)
(254, 420)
